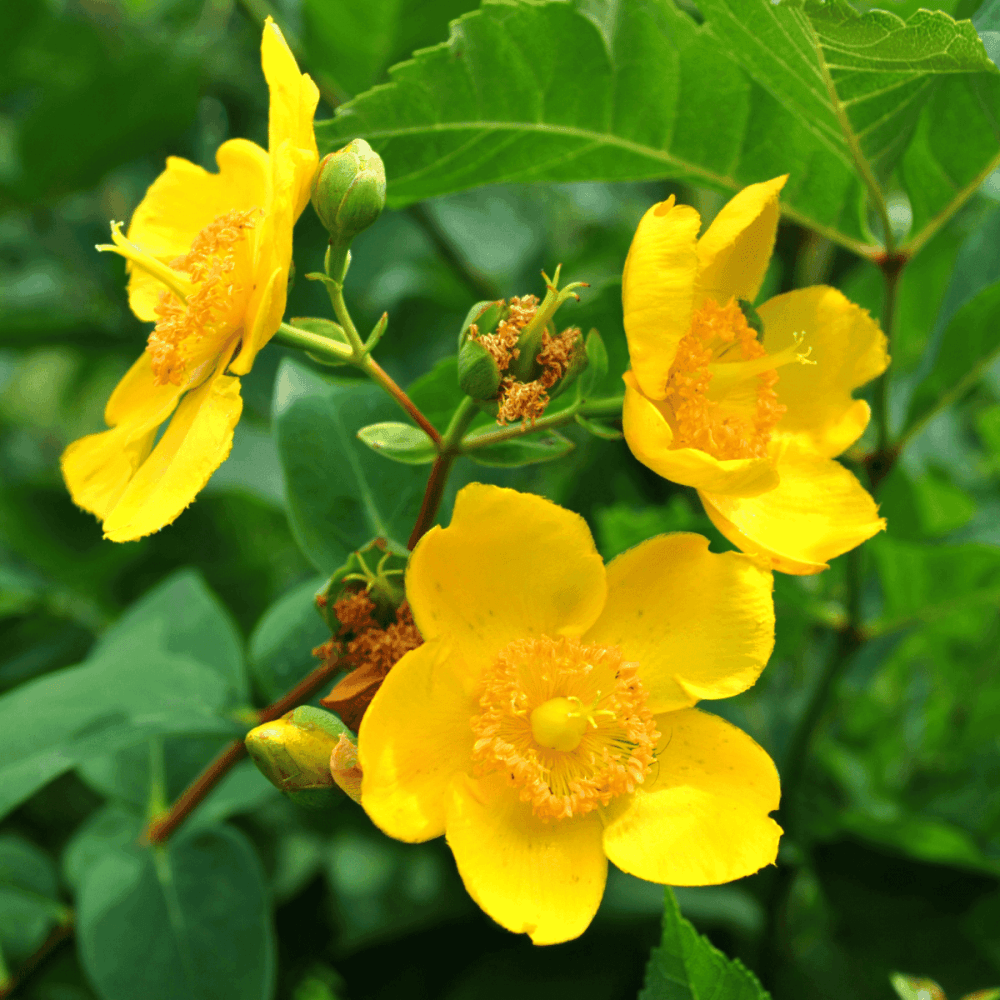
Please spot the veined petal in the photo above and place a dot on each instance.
(702, 818)
(194, 445)
(182, 201)
(509, 566)
(734, 252)
(848, 348)
(97, 468)
(543, 879)
(817, 512)
(650, 438)
(700, 624)
(294, 97)
(658, 286)
(415, 736)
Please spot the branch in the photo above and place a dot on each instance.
(61, 934)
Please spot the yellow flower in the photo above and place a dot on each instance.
(208, 256)
(545, 725)
(752, 424)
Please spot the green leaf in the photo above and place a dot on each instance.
(109, 829)
(686, 966)
(550, 92)
(350, 43)
(182, 616)
(340, 496)
(818, 89)
(525, 450)
(859, 81)
(927, 505)
(969, 345)
(400, 442)
(194, 914)
(29, 906)
(280, 648)
(437, 394)
(113, 701)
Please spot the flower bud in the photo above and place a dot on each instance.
(293, 753)
(348, 191)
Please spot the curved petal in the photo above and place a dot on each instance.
(734, 252)
(699, 623)
(849, 349)
(97, 468)
(510, 565)
(703, 819)
(262, 319)
(650, 438)
(543, 879)
(194, 445)
(415, 736)
(294, 97)
(182, 201)
(658, 285)
(817, 512)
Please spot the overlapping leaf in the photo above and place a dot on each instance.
(582, 91)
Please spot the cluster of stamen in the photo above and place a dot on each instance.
(209, 264)
(732, 424)
(502, 342)
(545, 693)
(526, 401)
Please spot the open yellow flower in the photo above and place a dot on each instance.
(546, 724)
(752, 423)
(208, 256)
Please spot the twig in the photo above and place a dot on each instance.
(161, 828)
(59, 935)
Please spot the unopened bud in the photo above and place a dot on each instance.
(348, 191)
(293, 753)
(345, 768)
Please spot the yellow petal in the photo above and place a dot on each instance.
(98, 468)
(509, 566)
(658, 286)
(817, 512)
(734, 252)
(544, 879)
(293, 103)
(700, 624)
(183, 200)
(702, 816)
(849, 350)
(263, 319)
(414, 737)
(650, 439)
(194, 445)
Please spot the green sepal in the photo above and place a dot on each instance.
(400, 442)
(348, 191)
(478, 373)
(376, 568)
(486, 315)
(527, 450)
(578, 364)
(598, 429)
(597, 369)
(378, 330)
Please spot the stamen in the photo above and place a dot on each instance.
(720, 394)
(566, 723)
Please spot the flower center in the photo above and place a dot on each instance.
(567, 722)
(720, 394)
(203, 298)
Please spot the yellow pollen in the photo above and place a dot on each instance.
(566, 723)
(720, 394)
(202, 297)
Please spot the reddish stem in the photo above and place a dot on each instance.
(62, 933)
(387, 383)
(432, 497)
(161, 828)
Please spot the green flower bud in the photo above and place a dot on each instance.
(293, 753)
(478, 372)
(348, 191)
